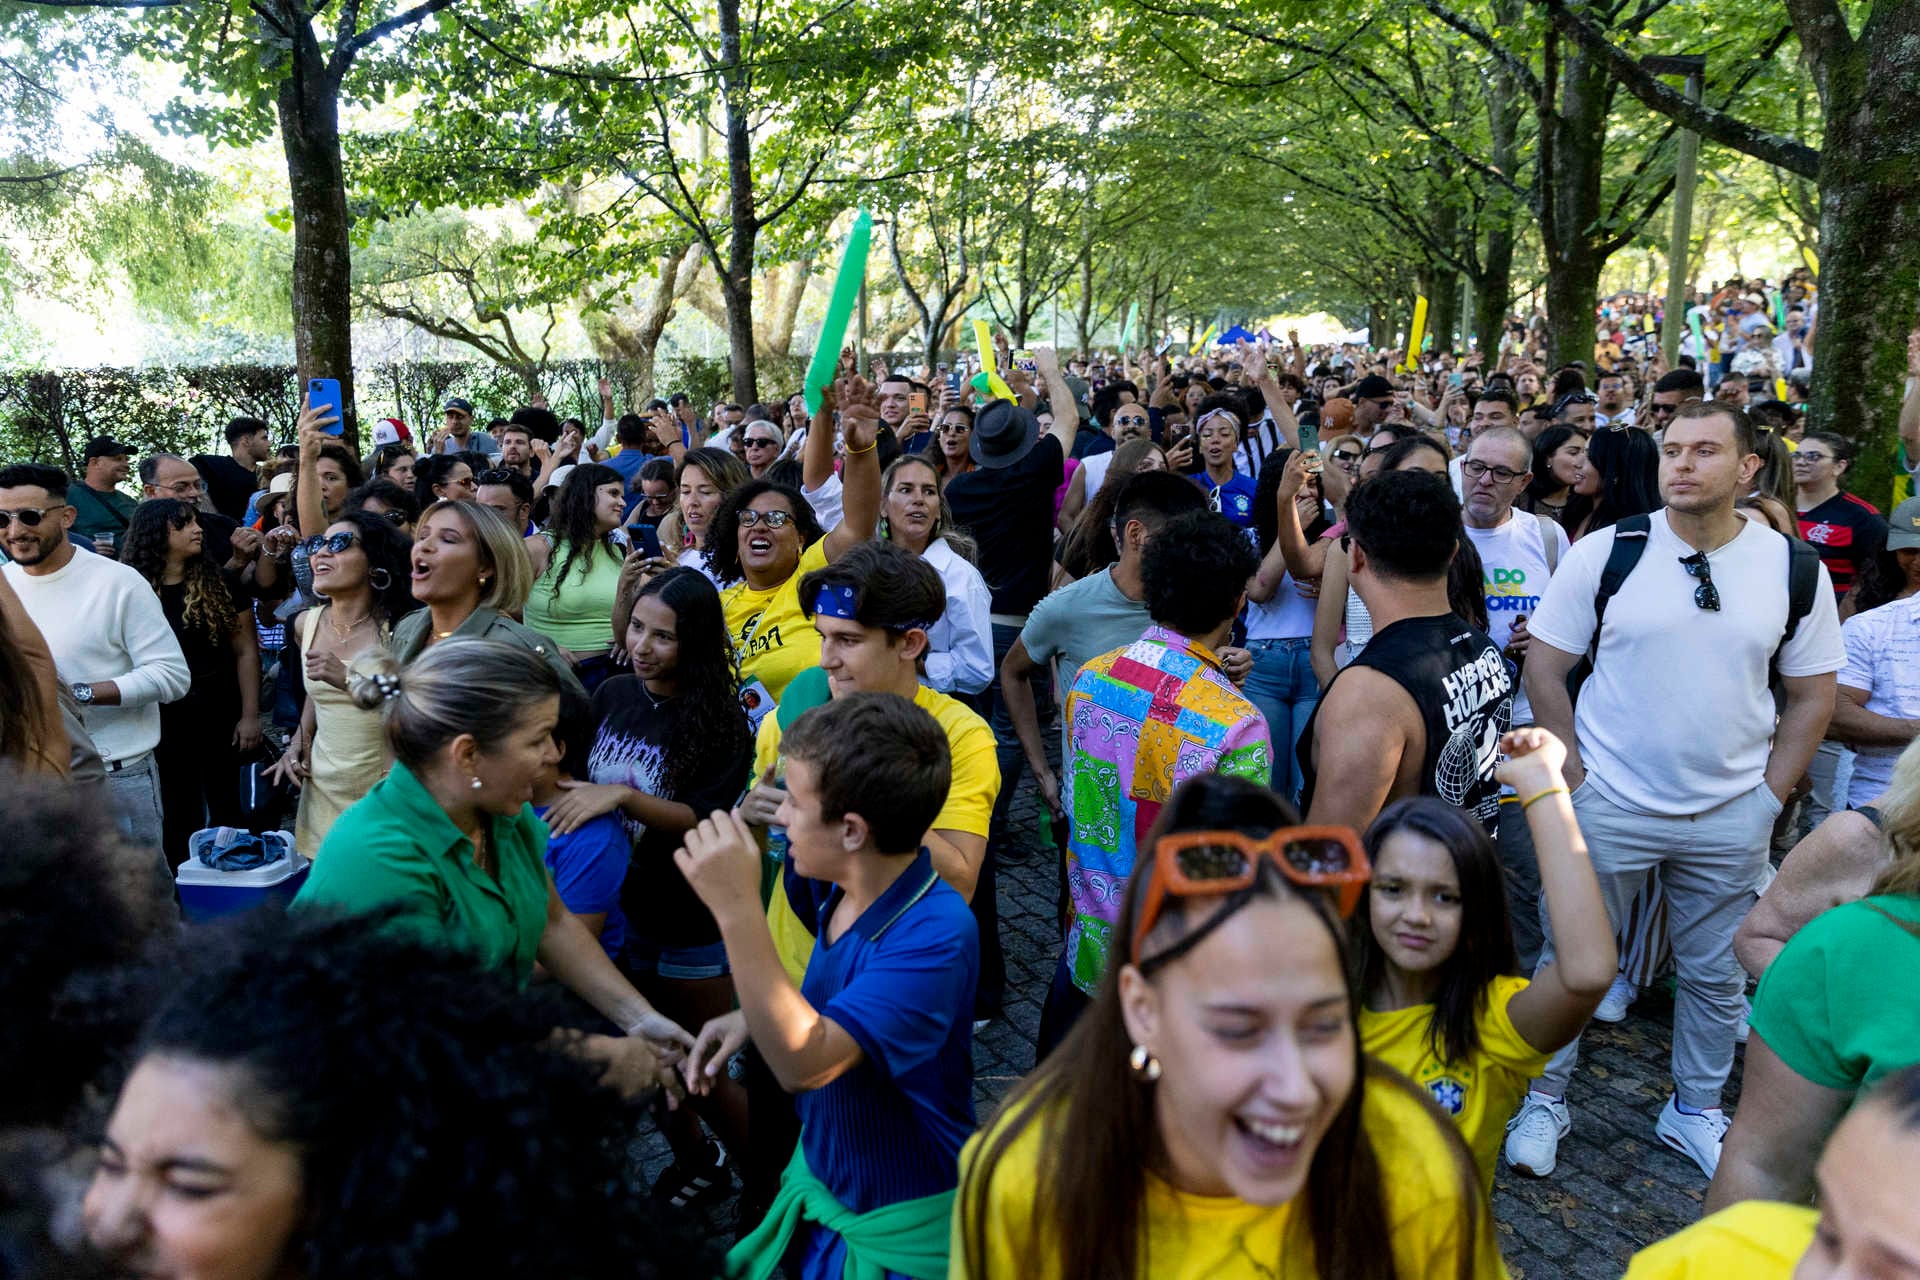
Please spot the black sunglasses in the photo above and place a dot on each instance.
(1705, 595)
(336, 543)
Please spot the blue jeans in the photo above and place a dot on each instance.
(1283, 686)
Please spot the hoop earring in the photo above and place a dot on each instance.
(1145, 1067)
(380, 579)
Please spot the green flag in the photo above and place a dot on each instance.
(840, 304)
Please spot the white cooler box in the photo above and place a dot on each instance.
(206, 894)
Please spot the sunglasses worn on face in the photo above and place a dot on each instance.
(1705, 595)
(1346, 457)
(1131, 422)
(760, 442)
(335, 544)
(771, 519)
(1198, 864)
(29, 517)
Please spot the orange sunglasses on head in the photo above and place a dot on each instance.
(1193, 864)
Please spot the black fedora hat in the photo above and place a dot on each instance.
(1003, 433)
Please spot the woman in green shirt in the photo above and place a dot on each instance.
(577, 564)
(450, 839)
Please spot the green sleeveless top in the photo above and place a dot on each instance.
(578, 613)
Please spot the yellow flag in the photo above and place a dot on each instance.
(983, 340)
(1205, 338)
(1811, 258)
(1415, 334)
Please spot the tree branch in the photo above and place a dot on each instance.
(381, 30)
(1481, 36)
(1784, 153)
(1824, 37)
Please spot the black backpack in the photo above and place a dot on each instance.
(1630, 543)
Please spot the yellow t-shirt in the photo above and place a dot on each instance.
(772, 639)
(1479, 1094)
(1222, 1238)
(969, 806)
(1752, 1240)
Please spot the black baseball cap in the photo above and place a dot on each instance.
(107, 447)
(1373, 387)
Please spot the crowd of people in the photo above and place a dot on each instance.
(1391, 716)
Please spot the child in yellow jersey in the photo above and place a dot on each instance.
(1865, 1225)
(1211, 1114)
(1434, 948)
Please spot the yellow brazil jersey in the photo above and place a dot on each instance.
(772, 639)
(1481, 1093)
(1752, 1240)
(1222, 1238)
(969, 806)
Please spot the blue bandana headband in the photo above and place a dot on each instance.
(837, 602)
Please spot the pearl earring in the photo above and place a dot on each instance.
(477, 784)
(1146, 1067)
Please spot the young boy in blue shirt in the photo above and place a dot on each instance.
(877, 1038)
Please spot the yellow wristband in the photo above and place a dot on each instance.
(869, 449)
(1541, 795)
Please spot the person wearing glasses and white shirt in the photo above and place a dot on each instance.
(108, 635)
(764, 442)
(1681, 759)
(1518, 554)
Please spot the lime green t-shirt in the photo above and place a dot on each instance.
(398, 848)
(1823, 1004)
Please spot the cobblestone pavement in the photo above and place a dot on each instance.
(1617, 1187)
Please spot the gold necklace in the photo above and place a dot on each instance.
(340, 634)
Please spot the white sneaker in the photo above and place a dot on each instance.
(1695, 1137)
(1619, 998)
(1533, 1135)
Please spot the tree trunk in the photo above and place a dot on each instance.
(1504, 119)
(632, 336)
(309, 109)
(1574, 261)
(786, 289)
(1443, 308)
(736, 285)
(1869, 244)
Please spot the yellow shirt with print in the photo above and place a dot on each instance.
(1193, 1237)
(1752, 1240)
(969, 806)
(1481, 1093)
(772, 640)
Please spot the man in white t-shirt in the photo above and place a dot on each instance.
(1877, 712)
(108, 635)
(1518, 553)
(1674, 756)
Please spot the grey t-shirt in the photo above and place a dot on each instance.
(1083, 620)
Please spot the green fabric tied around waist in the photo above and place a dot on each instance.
(910, 1237)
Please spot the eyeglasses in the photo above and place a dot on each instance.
(656, 502)
(1345, 457)
(1706, 595)
(29, 517)
(181, 488)
(954, 428)
(1193, 864)
(1664, 410)
(1811, 455)
(1476, 468)
(760, 442)
(333, 545)
(772, 519)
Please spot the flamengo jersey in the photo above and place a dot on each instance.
(1847, 532)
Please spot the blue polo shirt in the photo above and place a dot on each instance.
(1234, 499)
(901, 981)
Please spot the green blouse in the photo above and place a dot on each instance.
(398, 848)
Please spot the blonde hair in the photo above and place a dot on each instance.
(1900, 825)
(466, 686)
(960, 540)
(502, 553)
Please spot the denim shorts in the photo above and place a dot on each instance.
(684, 963)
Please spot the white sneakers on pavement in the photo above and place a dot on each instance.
(1534, 1133)
(1697, 1137)
(1619, 998)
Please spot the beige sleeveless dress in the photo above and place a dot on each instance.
(349, 754)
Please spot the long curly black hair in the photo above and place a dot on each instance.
(77, 908)
(210, 601)
(723, 532)
(711, 729)
(574, 522)
(441, 1128)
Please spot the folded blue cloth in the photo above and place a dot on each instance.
(237, 849)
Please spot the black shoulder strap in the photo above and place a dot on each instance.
(1803, 583)
(1629, 544)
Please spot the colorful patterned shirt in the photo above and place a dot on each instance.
(1140, 721)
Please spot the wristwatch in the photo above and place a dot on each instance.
(83, 693)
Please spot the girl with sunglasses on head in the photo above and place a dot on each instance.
(203, 734)
(361, 565)
(1434, 956)
(701, 478)
(1212, 1114)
